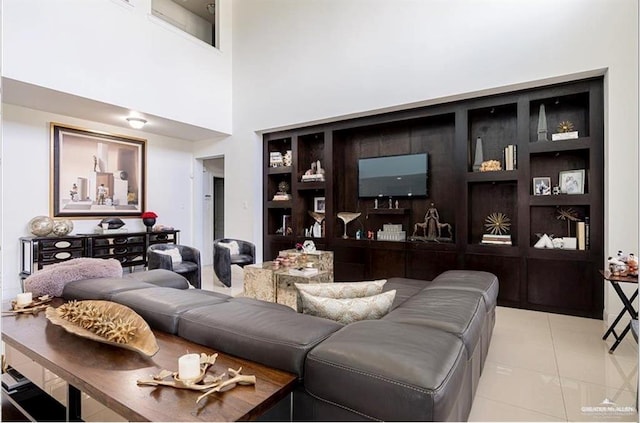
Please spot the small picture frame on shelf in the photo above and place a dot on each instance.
(572, 181)
(318, 204)
(542, 185)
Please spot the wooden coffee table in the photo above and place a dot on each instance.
(109, 374)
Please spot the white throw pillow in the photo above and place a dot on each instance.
(348, 310)
(233, 246)
(343, 289)
(174, 253)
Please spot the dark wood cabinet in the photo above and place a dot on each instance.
(556, 280)
(129, 248)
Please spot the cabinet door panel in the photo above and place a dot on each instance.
(565, 284)
(507, 269)
(349, 263)
(387, 263)
(426, 265)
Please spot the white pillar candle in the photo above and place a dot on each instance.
(24, 299)
(189, 366)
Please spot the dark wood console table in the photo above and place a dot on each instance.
(129, 248)
(109, 374)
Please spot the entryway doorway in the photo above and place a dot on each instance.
(213, 213)
(218, 207)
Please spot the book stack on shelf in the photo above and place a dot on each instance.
(281, 196)
(276, 159)
(496, 239)
(315, 177)
(571, 135)
(510, 157)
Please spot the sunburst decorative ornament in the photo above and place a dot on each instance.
(569, 214)
(497, 223)
(565, 126)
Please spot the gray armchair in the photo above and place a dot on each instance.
(159, 257)
(224, 257)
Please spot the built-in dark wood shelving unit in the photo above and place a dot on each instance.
(387, 211)
(562, 281)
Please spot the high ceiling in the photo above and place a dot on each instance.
(52, 101)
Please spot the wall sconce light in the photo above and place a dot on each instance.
(136, 122)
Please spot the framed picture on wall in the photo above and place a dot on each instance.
(572, 181)
(95, 173)
(318, 204)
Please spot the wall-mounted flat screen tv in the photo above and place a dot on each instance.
(393, 176)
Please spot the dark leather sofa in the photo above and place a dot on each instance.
(420, 362)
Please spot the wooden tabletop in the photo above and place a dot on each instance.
(109, 374)
(610, 277)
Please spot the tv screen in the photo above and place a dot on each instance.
(393, 176)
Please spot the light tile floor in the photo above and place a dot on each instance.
(550, 367)
(541, 367)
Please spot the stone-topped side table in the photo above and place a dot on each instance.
(264, 282)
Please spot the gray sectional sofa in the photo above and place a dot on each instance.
(422, 361)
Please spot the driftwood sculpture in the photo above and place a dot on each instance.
(35, 307)
(203, 382)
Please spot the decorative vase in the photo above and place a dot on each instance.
(149, 222)
(347, 217)
(479, 157)
(62, 227)
(41, 225)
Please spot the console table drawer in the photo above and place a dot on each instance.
(163, 237)
(61, 244)
(50, 257)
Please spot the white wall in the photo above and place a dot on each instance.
(109, 51)
(296, 62)
(26, 175)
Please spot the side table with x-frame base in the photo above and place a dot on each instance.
(627, 306)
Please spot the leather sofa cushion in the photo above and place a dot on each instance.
(405, 288)
(461, 313)
(470, 280)
(395, 371)
(160, 277)
(274, 337)
(100, 288)
(260, 303)
(161, 307)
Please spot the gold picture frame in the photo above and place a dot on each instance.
(96, 174)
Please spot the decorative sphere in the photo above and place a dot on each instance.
(283, 186)
(62, 227)
(41, 225)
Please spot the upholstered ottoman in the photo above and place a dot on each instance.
(274, 335)
(100, 288)
(160, 277)
(395, 371)
(161, 307)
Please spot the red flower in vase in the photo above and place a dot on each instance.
(149, 215)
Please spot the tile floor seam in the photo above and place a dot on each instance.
(555, 359)
(563, 419)
(598, 384)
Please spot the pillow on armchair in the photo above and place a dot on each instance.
(234, 248)
(174, 253)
